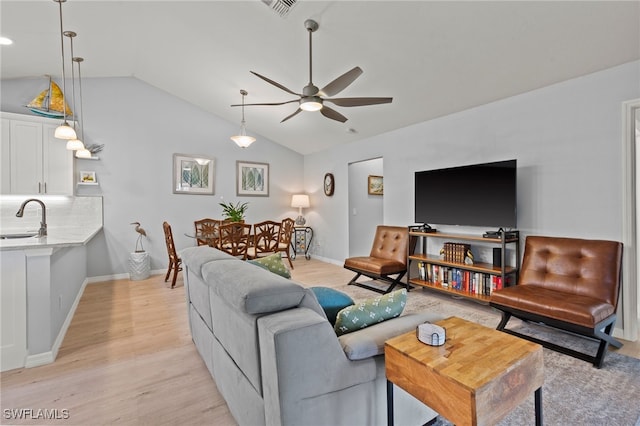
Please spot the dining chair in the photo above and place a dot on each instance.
(286, 232)
(266, 238)
(174, 260)
(207, 232)
(234, 238)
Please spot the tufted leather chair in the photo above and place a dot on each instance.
(388, 257)
(571, 284)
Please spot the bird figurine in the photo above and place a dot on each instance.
(142, 233)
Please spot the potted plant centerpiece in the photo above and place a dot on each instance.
(234, 213)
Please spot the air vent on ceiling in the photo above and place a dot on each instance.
(281, 7)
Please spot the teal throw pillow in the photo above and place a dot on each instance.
(332, 301)
(274, 264)
(370, 311)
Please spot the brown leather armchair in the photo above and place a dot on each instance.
(570, 284)
(388, 257)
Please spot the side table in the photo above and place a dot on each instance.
(301, 241)
(477, 377)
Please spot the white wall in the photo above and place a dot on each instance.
(566, 138)
(141, 127)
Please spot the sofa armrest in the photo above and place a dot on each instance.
(369, 341)
(301, 358)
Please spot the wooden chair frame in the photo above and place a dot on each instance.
(174, 260)
(235, 238)
(266, 238)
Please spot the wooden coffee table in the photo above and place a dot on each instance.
(477, 377)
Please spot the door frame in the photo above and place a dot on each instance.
(630, 212)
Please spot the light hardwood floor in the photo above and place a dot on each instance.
(128, 359)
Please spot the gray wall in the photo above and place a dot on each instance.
(141, 127)
(566, 137)
(365, 211)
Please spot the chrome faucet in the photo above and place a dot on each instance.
(42, 232)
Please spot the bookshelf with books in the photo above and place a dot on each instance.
(454, 271)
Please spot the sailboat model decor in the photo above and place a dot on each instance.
(49, 102)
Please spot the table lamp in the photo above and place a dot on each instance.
(300, 201)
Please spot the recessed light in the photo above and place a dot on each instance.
(4, 41)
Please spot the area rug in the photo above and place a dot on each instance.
(574, 392)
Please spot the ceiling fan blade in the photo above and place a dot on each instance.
(278, 85)
(333, 114)
(289, 116)
(352, 102)
(268, 104)
(341, 83)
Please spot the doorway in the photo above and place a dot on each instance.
(365, 210)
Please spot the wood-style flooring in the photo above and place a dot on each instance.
(128, 359)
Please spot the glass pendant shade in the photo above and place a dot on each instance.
(74, 144)
(83, 153)
(242, 140)
(64, 131)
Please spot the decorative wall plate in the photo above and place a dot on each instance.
(329, 184)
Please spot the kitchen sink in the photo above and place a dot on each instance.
(18, 235)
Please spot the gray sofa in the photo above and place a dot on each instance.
(274, 356)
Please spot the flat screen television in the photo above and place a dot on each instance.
(474, 195)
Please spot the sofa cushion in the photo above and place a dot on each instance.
(196, 257)
(274, 264)
(370, 311)
(369, 342)
(332, 301)
(250, 288)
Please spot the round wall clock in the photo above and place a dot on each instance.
(329, 184)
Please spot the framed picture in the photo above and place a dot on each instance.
(193, 174)
(252, 179)
(88, 177)
(375, 185)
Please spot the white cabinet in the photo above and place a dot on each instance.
(38, 162)
(13, 312)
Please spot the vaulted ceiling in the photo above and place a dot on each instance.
(433, 58)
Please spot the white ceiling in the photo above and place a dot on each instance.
(433, 58)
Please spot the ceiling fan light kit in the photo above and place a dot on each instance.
(314, 99)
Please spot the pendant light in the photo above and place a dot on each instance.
(63, 131)
(84, 152)
(74, 144)
(242, 140)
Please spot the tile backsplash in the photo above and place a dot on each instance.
(62, 212)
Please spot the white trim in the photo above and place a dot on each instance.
(629, 226)
(50, 356)
(125, 276)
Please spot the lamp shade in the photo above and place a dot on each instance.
(64, 131)
(74, 144)
(300, 200)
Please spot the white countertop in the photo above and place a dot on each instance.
(56, 237)
(72, 221)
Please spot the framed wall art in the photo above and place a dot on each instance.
(193, 174)
(252, 179)
(88, 177)
(375, 185)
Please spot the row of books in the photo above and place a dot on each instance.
(454, 252)
(459, 279)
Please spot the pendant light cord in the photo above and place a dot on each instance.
(64, 87)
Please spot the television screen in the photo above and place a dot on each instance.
(475, 195)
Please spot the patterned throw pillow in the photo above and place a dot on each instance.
(370, 311)
(274, 264)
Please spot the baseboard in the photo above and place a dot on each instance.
(49, 357)
(324, 259)
(125, 276)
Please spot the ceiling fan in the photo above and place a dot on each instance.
(314, 99)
